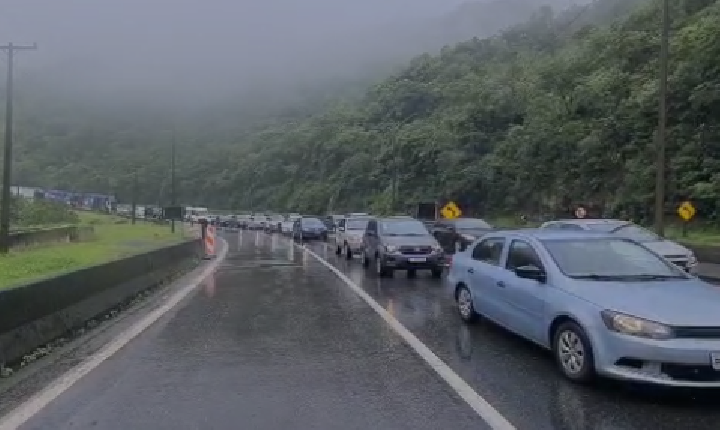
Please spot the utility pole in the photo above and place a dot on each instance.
(395, 173)
(172, 179)
(662, 121)
(7, 161)
(134, 197)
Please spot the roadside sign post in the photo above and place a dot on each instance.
(686, 211)
(450, 211)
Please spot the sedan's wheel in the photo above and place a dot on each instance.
(366, 260)
(573, 352)
(348, 252)
(465, 305)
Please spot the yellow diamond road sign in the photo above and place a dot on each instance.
(450, 211)
(686, 210)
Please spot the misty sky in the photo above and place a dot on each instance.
(183, 45)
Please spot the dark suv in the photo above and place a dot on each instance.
(401, 243)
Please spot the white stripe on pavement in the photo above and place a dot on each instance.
(481, 406)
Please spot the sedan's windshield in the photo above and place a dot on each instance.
(630, 230)
(312, 222)
(356, 224)
(404, 228)
(472, 224)
(609, 258)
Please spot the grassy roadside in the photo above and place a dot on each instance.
(697, 235)
(114, 238)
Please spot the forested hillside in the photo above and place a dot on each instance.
(80, 139)
(524, 121)
(561, 108)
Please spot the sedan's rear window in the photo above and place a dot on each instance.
(312, 222)
(607, 257)
(356, 224)
(403, 227)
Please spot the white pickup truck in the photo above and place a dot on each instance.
(349, 235)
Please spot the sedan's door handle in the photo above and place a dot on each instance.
(501, 284)
(471, 271)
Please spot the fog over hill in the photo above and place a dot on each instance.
(191, 51)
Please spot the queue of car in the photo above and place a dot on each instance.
(606, 297)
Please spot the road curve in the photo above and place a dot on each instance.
(516, 377)
(273, 341)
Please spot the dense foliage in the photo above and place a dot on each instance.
(32, 213)
(527, 121)
(563, 108)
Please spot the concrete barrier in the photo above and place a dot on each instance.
(34, 314)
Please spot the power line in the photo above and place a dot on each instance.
(10, 49)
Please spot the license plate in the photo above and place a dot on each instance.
(715, 360)
(422, 260)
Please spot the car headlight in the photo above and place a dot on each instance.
(692, 260)
(634, 326)
(391, 248)
(436, 249)
(468, 237)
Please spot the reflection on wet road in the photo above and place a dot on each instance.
(517, 378)
(273, 340)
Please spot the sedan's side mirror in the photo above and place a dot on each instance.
(531, 272)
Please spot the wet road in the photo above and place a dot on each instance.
(273, 341)
(291, 346)
(518, 378)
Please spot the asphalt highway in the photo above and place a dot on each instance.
(275, 340)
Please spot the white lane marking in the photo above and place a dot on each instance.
(36, 403)
(481, 406)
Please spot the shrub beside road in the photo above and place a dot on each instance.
(112, 238)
